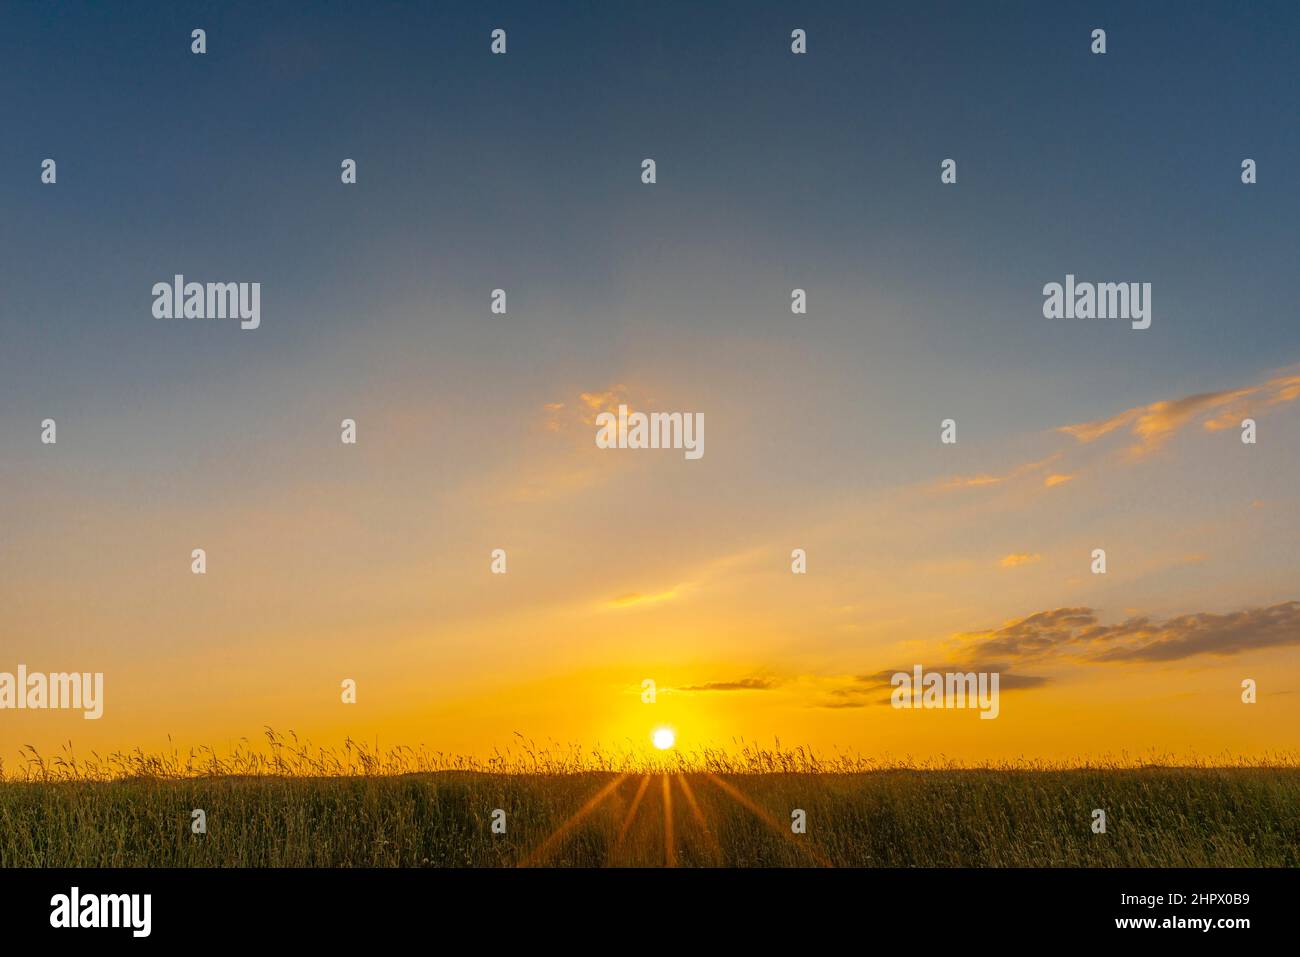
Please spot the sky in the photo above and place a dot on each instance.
(475, 431)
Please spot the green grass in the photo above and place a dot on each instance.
(1162, 816)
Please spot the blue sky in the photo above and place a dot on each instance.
(476, 172)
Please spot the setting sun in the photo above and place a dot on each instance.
(663, 738)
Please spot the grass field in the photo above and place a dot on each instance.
(290, 810)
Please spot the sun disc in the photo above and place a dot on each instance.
(663, 738)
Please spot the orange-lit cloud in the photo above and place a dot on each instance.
(979, 481)
(561, 416)
(1152, 425)
(608, 400)
(636, 599)
(1156, 423)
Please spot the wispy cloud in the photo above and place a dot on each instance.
(1019, 558)
(984, 480)
(1155, 424)
(637, 599)
(875, 688)
(1007, 680)
(1152, 425)
(743, 684)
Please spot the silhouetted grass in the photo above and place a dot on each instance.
(296, 806)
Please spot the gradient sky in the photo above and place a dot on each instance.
(371, 561)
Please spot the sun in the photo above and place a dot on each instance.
(663, 738)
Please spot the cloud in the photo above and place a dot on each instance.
(744, 684)
(1205, 633)
(633, 599)
(1040, 639)
(865, 689)
(553, 411)
(1019, 558)
(1156, 423)
(1152, 426)
(1076, 633)
(608, 400)
(567, 416)
(981, 481)
(1035, 635)
(552, 469)
(879, 679)
(1008, 681)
